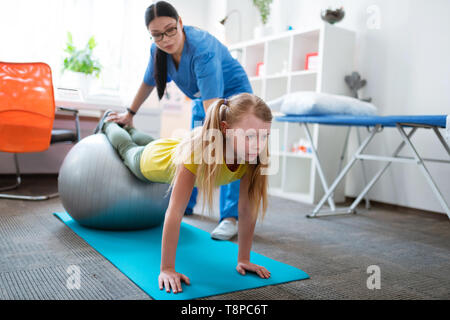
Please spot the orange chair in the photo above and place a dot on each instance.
(27, 111)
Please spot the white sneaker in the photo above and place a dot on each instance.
(225, 230)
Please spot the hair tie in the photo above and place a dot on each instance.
(225, 102)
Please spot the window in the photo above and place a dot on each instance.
(37, 31)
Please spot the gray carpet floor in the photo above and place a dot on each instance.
(412, 250)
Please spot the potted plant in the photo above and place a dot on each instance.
(79, 65)
(264, 10)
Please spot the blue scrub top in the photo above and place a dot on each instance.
(206, 69)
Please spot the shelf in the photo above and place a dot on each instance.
(303, 81)
(283, 55)
(255, 78)
(298, 155)
(276, 87)
(277, 60)
(277, 76)
(295, 133)
(303, 73)
(303, 44)
(237, 54)
(283, 75)
(276, 177)
(293, 154)
(305, 31)
(253, 55)
(276, 138)
(257, 86)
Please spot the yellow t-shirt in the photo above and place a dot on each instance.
(157, 157)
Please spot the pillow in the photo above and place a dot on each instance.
(313, 103)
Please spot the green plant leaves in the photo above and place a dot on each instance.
(81, 60)
(91, 43)
(264, 9)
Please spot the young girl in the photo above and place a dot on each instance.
(237, 128)
(204, 70)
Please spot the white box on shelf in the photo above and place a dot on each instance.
(283, 56)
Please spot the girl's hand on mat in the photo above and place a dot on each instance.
(247, 265)
(124, 118)
(172, 279)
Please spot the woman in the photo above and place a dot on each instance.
(232, 145)
(204, 70)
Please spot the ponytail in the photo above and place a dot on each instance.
(160, 72)
(216, 113)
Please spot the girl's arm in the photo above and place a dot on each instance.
(181, 192)
(246, 225)
(246, 228)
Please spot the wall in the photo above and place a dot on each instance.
(47, 45)
(402, 51)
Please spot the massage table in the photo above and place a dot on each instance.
(375, 125)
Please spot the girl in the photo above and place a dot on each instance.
(237, 128)
(204, 70)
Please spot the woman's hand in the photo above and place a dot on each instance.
(123, 119)
(247, 265)
(170, 279)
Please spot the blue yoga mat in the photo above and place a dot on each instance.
(209, 264)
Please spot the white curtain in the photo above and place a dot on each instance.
(36, 30)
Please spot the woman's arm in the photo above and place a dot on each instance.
(142, 94)
(182, 189)
(246, 228)
(126, 118)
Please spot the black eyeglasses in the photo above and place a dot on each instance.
(159, 36)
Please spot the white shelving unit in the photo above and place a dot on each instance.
(284, 56)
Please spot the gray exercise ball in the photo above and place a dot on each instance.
(99, 191)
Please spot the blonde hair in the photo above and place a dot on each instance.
(192, 148)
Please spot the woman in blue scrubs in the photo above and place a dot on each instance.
(202, 67)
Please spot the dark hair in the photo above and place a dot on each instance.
(160, 9)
